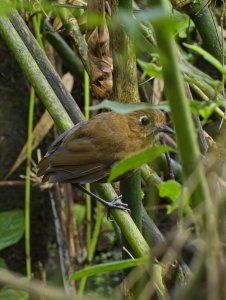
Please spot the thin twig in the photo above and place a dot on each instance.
(12, 183)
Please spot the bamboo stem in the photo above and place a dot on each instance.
(63, 122)
(201, 14)
(181, 113)
(125, 90)
(34, 74)
(46, 67)
(69, 57)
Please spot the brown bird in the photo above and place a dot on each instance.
(87, 152)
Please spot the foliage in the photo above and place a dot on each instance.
(107, 267)
(127, 108)
(137, 160)
(11, 227)
(12, 294)
(169, 46)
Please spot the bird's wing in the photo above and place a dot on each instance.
(80, 174)
(85, 153)
(74, 157)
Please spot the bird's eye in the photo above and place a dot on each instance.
(144, 120)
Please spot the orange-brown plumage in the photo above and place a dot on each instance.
(86, 152)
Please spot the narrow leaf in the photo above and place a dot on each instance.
(150, 69)
(107, 267)
(11, 227)
(137, 160)
(123, 108)
(207, 56)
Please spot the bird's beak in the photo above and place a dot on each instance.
(166, 129)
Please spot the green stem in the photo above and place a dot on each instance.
(63, 122)
(28, 184)
(88, 224)
(34, 75)
(131, 191)
(45, 67)
(88, 198)
(69, 57)
(201, 14)
(28, 166)
(91, 240)
(87, 95)
(126, 90)
(96, 231)
(82, 285)
(125, 84)
(36, 19)
(73, 31)
(128, 228)
(181, 113)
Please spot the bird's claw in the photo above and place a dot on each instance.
(119, 205)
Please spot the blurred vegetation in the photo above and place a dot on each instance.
(81, 58)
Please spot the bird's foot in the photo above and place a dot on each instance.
(119, 205)
(110, 204)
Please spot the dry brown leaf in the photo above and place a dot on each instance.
(68, 81)
(100, 62)
(57, 24)
(41, 129)
(158, 87)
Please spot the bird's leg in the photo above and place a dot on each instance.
(168, 159)
(110, 204)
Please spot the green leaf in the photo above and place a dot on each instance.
(108, 267)
(137, 160)
(170, 189)
(150, 69)
(3, 264)
(13, 294)
(178, 195)
(11, 227)
(123, 108)
(182, 22)
(182, 202)
(204, 109)
(208, 57)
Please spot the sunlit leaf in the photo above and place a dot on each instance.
(124, 108)
(182, 22)
(11, 227)
(178, 195)
(170, 189)
(150, 69)
(137, 160)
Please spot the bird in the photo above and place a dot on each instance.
(86, 152)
